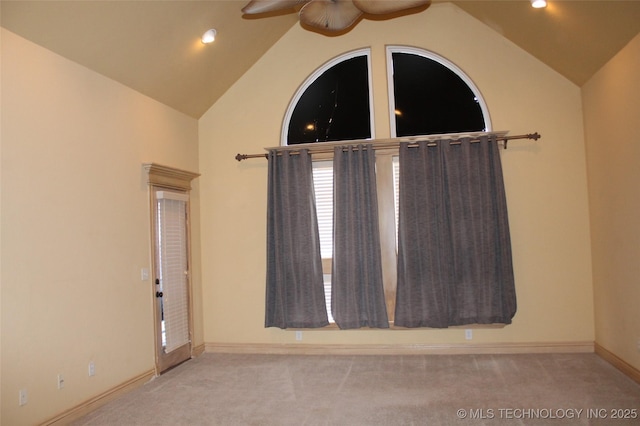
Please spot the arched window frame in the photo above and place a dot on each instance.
(386, 160)
(391, 49)
(314, 76)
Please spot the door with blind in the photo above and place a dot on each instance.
(171, 278)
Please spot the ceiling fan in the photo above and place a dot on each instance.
(333, 15)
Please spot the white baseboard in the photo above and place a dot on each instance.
(88, 406)
(618, 362)
(401, 349)
(197, 350)
(92, 404)
(315, 349)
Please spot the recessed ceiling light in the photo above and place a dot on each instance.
(209, 36)
(539, 3)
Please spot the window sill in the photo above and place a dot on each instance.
(333, 327)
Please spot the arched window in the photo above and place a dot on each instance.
(430, 95)
(334, 103)
(427, 95)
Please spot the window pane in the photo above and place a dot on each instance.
(172, 259)
(396, 191)
(432, 99)
(323, 186)
(335, 106)
(327, 296)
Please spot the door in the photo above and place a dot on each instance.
(171, 278)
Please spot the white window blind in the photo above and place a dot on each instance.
(323, 187)
(396, 190)
(172, 232)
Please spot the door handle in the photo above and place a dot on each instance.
(159, 294)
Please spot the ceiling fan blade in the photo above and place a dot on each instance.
(330, 15)
(263, 6)
(380, 7)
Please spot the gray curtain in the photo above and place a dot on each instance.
(357, 293)
(295, 289)
(454, 248)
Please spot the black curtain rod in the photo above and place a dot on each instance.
(327, 147)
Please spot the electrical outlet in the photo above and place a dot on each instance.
(298, 335)
(22, 397)
(468, 334)
(92, 369)
(60, 381)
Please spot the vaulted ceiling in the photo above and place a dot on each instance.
(154, 46)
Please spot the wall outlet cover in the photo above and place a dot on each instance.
(22, 397)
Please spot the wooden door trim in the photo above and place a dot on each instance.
(168, 178)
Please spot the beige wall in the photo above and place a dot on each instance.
(75, 217)
(546, 181)
(611, 112)
(75, 228)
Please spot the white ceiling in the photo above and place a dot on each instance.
(154, 46)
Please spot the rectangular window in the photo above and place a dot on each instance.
(387, 167)
(396, 191)
(171, 211)
(323, 186)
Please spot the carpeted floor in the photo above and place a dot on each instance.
(535, 389)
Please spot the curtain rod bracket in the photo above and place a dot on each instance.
(535, 136)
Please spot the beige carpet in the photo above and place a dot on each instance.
(536, 389)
